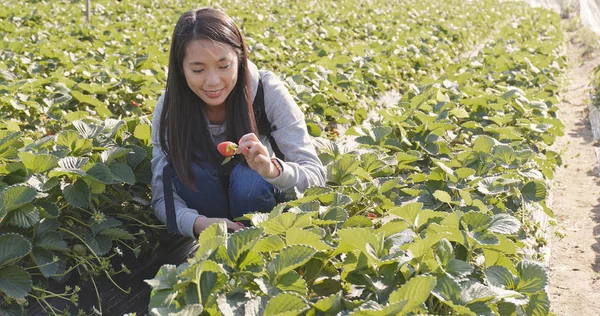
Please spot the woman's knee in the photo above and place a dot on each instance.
(249, 192)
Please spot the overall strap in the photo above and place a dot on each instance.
(262, 122)
(169, 201)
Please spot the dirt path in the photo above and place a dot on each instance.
(575, 259)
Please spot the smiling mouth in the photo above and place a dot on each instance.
(213, 93)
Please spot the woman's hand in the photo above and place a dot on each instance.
(202, 223)
(257, 156)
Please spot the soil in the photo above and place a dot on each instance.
(575, 258)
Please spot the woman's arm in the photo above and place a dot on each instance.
(302, 167)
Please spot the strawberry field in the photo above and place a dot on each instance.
(434, 120)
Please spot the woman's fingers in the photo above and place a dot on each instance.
(233, 226)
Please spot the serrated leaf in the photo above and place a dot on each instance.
(458, 268)
(504, 153)
(408, 212)
(534, 191)
(101, 172)
(51, 240)
(539, 305)
(210, 239)
(271, 243)
(67, 138)
(504, 224)
(165, 278)
(415, 291)
(289, 258)
(14, 246)
(113, 153)
(17, 195)
(46, 261)
(211, 283)
(42, 183)
(70, 165)
(286, 304)
(336, 214)
(99, 244)
(280, 224)
(297, 236)
(532, 277)
(24, 217)
(122, 172)
(500, 277)
(15, 281)
(77, 194)
(241, 241)
(443, 196)
(331, 304)
(292, 282)
(90, 131)
(38, 163)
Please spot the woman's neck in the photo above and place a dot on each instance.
(216, 115)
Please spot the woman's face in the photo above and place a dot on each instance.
(210, 70)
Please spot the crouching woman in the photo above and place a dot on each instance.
(215, 94)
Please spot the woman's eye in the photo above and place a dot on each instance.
(196, 71)
(226, 66)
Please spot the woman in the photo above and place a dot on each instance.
(211, 86)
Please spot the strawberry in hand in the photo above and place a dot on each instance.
(227, 149)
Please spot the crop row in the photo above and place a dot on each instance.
(429, 215)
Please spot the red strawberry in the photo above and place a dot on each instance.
(137, 105)
(371, 216)
(227, 149)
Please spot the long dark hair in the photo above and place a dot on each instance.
(183, 127)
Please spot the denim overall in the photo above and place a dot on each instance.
(227, 196)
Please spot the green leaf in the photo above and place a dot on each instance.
(532, 277)
(416, 291)
(280, 224)
(77, 194)
(211, 283)
(101, 172)
(271, 243)
(117, 233)
(500, 277)
(67, 138)
(242, 240)
(38, 163)
(17, 195)
(51, 240)
(286, 304)
(539, 305)
(484, 144)
(504, 224)
(122, 172)
(165, 278)
(297, 236)
(341, 172)
(292, 282)
(70, 165)
(15, 282)
(90, 131)
(210, 239)
(143, 132)
(113, 153)
(443, 196)
(444, 251)
(336, 214)
(504, 153)
(99, 244)
(42, 183)
(458, 268)
(48, 262)
(408, 212)
(14, 247)
(330, 305)
(534, 191)
(24, 217)
(289, 258)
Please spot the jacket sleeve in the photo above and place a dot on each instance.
(302, 167)
(185, 216)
